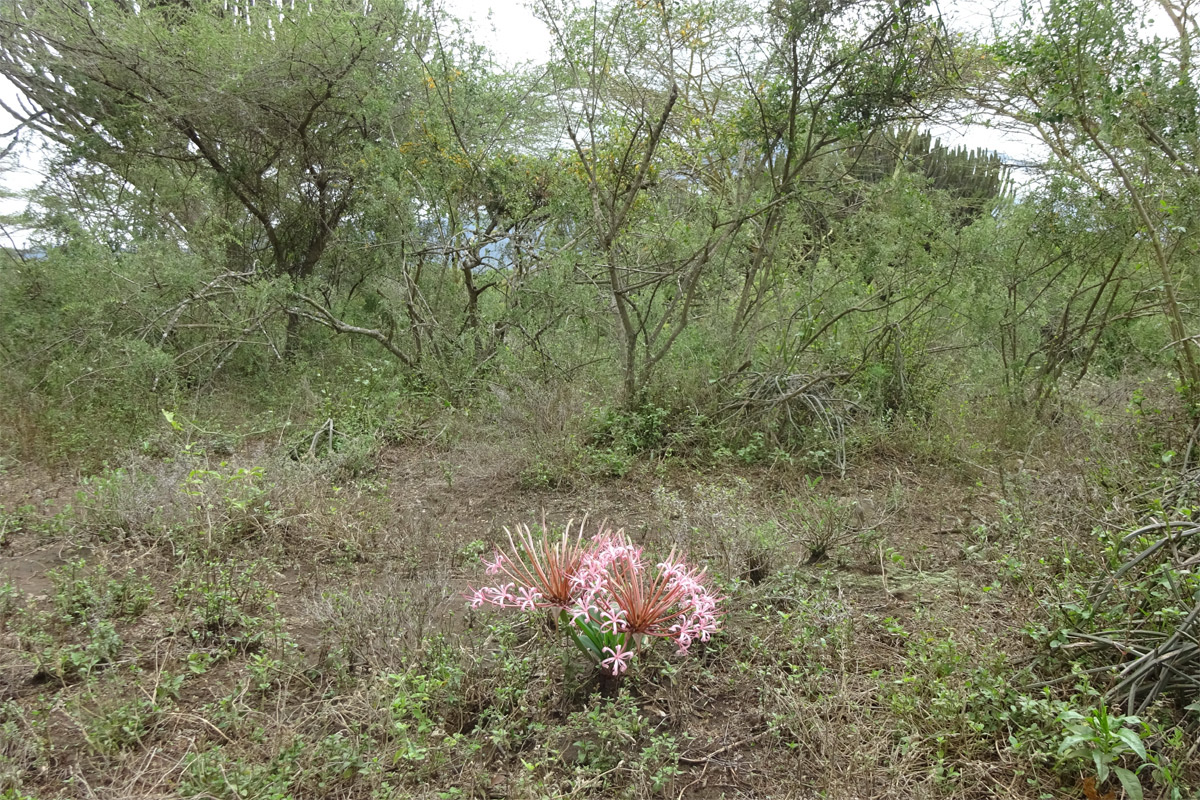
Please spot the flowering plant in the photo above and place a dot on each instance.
(608, 595)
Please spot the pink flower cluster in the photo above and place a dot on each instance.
(617, 591)
(605, 582)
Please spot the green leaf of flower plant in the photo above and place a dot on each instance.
(1130, 782)
(1131, 738)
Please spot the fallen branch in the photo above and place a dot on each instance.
(326, 318)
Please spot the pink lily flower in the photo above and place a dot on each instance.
(619, 661)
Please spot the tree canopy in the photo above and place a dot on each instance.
(704, 180)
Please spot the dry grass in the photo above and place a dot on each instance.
(305, 633)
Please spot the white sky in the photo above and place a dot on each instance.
(507, 27)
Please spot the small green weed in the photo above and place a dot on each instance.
(1105, 739)
(82, 592)
(70, 660)
(223, 601)
(116, 724)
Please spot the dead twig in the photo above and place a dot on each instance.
(733, 746)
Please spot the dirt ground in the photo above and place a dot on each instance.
(841, 670)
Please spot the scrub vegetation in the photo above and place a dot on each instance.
(804, 455)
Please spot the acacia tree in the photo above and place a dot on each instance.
(452, 219)
(822, 81)
(1118, 111)
(484, 193)
(625, 76)
(1054, 279)
(270, 105)
(698, 128)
